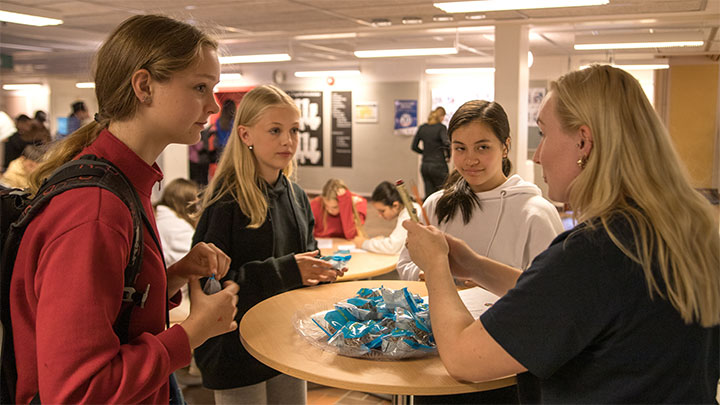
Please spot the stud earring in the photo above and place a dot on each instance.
(250, 147)
(582, 162)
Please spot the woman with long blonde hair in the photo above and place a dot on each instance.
(625, 307)
(263, 221)
(154, 78)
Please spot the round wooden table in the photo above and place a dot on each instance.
(267, 332)
(362, 265)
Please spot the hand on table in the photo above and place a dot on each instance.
(314, 270)
(358, 240)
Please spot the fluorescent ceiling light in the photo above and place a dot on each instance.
(25, 86)
(637, 45)
(325, 73)
(273, 57)
(498, 5)
(646, 66)
(85, 85)
(442, 18)
(28, 19)
(230, 76)
(389, 53)
(25, 47)
(339, 35)
(533, 37)
(459, 71)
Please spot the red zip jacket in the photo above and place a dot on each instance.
(68, 280)
(341, 225)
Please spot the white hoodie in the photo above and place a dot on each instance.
(391, 245)
(513, 226)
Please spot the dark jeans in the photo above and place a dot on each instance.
(434, 175)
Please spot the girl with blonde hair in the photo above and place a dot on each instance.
(338, 212)
(262, 220)
(625, 307)
(154, 78)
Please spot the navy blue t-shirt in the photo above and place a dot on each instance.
(582, 320)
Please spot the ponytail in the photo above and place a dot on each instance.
(457, 194)
(506, 166)
(63, 152)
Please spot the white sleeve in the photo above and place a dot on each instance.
(544, 226)
(390, 244)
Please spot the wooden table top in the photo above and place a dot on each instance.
(267, 332)
(363, 264)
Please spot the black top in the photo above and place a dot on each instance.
(14, 147)
(582, 320)
(263, 264)
(435, 143)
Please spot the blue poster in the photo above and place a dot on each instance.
(405, 117)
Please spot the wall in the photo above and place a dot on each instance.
(693, 118)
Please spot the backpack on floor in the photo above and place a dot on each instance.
(17, 209)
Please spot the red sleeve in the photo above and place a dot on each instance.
(79, 283)
(318, 209)
(361, 207)
(346, 214)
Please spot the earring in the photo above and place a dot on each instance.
(582, 162)
(250, 147)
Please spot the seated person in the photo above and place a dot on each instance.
(386, 200)
(338, 212)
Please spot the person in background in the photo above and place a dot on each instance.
(433, 135)
(41, 117)
(263, 221)
(217, 135)
(29, 132)
(386, 200)
(19, 170)
(77, 117)
(623, 308)
(175, 216)
(337, 211)
(498, 215)
(154, 78)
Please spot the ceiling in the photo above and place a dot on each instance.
(326, 32)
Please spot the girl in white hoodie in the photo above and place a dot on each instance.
(386, 200)
(504, 218)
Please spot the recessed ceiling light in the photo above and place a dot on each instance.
(273, 57)
(637, 45)
(381, 22)
(442, 18)
(498, 5)
(28, 19)
(324, 73)
(475, 16)
(411, 20)
(459, 71)
(23, 86)
(85, 85)
(389, 53)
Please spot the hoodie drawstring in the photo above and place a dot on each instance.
(497, 223)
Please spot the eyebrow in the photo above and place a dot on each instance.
(480, 141)
(207, 76)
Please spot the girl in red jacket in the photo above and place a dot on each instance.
(154, 78)
(338, 212)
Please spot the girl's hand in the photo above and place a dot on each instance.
(210, 315)
(313, 270)
(359, 241)
(203, 260)
(426, 244)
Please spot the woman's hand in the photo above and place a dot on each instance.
(464, 262)
(203, 260)
(210, 315)
(313, 270)
(426, 244)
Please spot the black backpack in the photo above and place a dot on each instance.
(16, 212)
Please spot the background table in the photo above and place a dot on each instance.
(364, 264)
(267, 332)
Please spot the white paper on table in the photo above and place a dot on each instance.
(477, 300)
(346, 247)
(324, 243)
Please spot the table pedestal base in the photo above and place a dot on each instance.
(402, 400)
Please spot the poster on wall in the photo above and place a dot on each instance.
(341, 133)
(405, 117)
(366, 112)
(310, 138)
(535, 97)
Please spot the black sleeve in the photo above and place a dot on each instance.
(557, 308)
(311, 242)
(416, 141)
(445, 141)
(222, 224)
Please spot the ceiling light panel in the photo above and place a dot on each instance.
(502, 5)
(28, 19)
(390, 53)
(274, 57)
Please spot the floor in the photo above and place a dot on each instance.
(195, 394)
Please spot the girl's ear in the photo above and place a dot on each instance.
(396, 204)
(244, 135)
(141, 81)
